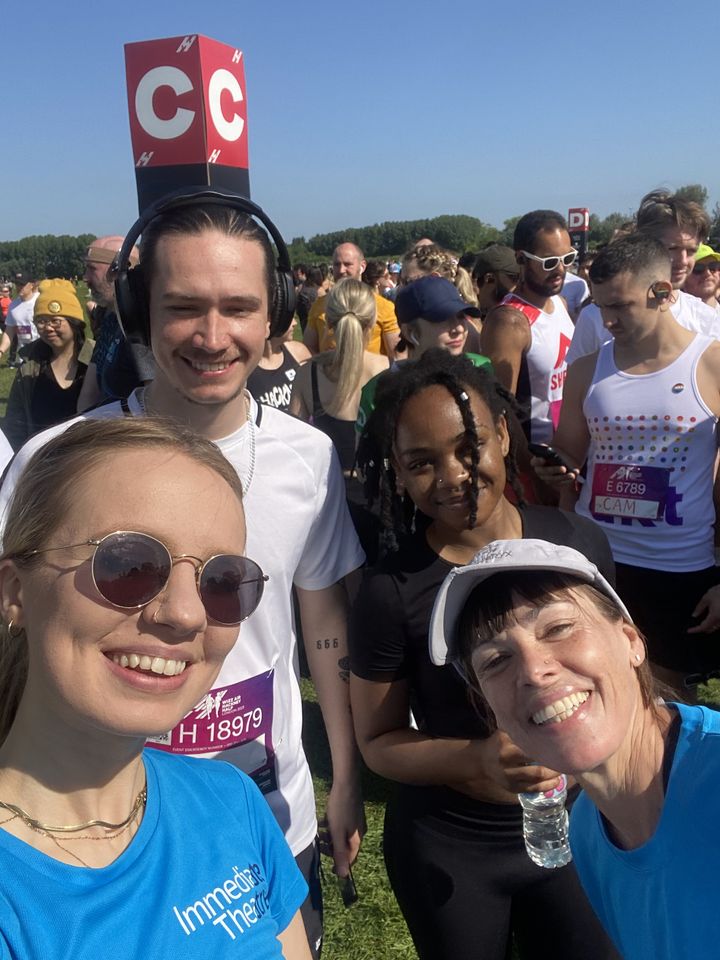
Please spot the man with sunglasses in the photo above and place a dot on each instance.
(704, 278)
(527, 336)
(210, 277)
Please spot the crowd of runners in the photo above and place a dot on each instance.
(359, 432)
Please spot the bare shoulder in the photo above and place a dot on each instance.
(505, 326)
(298, 350)
(375, 363)
(506, 316)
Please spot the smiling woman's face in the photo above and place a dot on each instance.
(78, 642)
(561, 679)
(431, 456)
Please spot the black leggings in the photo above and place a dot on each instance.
(464, 883)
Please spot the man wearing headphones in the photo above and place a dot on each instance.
(527, 336)
(642, 413)
(206, 295)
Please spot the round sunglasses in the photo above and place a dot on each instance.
(129, 569)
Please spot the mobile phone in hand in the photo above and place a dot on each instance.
(551, 456)
(348, 890)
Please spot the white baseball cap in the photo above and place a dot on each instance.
(497, 557)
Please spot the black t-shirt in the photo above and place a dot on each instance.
(52, 403)
(391, 619)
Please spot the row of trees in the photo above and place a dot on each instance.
(461, 233)
(52, 256)
(45, 256)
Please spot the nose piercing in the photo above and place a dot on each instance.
(440, 481)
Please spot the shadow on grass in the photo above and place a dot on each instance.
(375, 789)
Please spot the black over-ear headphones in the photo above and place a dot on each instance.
(130, 286)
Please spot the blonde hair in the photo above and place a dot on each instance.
(464, 286)
(47, 489)
(350, 313)
(429, 258)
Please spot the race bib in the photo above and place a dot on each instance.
(239, 715)
(629, 490)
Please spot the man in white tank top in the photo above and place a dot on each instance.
(680, 225)
(642, 414)
(527, 336)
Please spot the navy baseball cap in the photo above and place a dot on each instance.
(431, 298)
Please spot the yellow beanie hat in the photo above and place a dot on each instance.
(58, 299)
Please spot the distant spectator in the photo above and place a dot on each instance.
(377, 276)
(300, 271)
(425, 259)
(117, 366)
(495, 275)
(5, 301)
(704, 278)
(47, 385)
(575, 293)
(349, 261)
(19, 327)
(584, 264)
(316, 285)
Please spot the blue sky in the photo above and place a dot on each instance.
(360, 113)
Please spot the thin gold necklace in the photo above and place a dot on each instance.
(113, 830)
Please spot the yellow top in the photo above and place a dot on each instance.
(386, 322)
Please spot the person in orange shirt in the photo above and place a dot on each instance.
(349, 261)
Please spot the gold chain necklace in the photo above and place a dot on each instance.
(113, 830)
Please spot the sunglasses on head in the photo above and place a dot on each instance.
(702, 267)
(129, 569)
(549, 263)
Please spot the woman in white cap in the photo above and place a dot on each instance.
(441, 449)
(47, 385)
(545, 640)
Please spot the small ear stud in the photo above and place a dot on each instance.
(637, 658)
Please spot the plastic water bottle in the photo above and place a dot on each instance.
(545, 826)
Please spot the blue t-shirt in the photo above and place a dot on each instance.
(208, 874)
(660, 900)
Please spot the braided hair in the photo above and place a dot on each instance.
(458, 375)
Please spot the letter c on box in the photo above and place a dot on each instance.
(151, 123)
(224, 80)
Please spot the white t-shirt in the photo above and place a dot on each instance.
(20, 316)
(574, 291)
(690, 312)
(299, 531)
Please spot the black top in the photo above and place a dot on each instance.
(274, 387)
(341, 432)
(391, 619)
(52, 403)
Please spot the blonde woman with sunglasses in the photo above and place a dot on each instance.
(122, 584)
